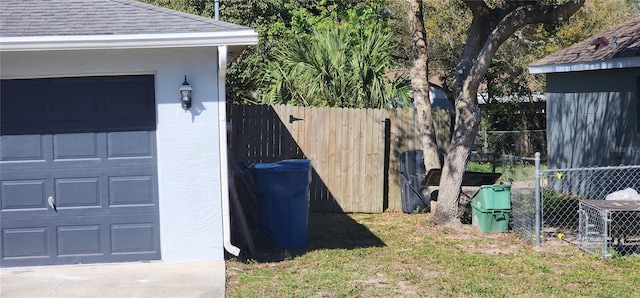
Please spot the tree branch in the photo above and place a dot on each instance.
(484, 19)
(476, 7)
(521, 16)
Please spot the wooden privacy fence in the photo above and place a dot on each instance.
(355, 153)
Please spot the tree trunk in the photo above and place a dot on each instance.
(480, 47)
(420, 85)
(466, 127)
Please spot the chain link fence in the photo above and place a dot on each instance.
(609, 227)
(596, 208)
(512, 142)
(519, 172)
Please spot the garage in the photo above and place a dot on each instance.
(78, 170)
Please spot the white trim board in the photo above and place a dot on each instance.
(129, 41)
(629, 62)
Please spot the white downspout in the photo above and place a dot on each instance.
(224, 163)
(216, 10)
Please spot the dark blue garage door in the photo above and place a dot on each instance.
(86, 145)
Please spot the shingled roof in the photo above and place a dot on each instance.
(615, 48)
(20, 18)
(87, 24)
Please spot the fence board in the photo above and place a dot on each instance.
(354, 148)
(322, 147)
(366, 164)
(397, 141)
(337, 150)
(344, 149)
(393, 183)
(315, 130)
(379, 159)
(369, 164)
(330, 141)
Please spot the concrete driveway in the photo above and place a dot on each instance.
(116, 280)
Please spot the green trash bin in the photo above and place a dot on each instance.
(491, 208)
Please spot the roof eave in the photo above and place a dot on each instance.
(628, 62)
(128, 41)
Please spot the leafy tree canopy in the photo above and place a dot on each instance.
(277, 22)
(508, 78)
(508, 74)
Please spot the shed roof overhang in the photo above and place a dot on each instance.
(628, 62)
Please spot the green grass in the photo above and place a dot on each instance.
(400, 255)
(516, 172)
(484, 167)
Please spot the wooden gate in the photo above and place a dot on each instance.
(346, 148)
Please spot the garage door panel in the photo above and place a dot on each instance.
(89, 143)
(131, 190)
(23, 194)
(32, 99)
(133, 238)
(105, 191)
(93, 125)
(130, 144)
(77, 193)
(79, 240)
(119, 191)
(80, 95)
(128, 94)
(88, 104)
(22, 148)
(111, 238)
(77, 150)
(23, 243)
(75, 146)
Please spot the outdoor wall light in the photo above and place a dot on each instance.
(185, 91)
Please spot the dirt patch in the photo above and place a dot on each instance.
(490, 249)
(556, 246)
(473, 240)
(493, 243)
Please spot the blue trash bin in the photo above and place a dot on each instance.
(283, 199)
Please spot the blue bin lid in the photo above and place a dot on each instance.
(287, 164)
(295, 163)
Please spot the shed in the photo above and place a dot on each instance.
(593, 100)
(99, 162)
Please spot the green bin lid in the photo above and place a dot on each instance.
(492, 197)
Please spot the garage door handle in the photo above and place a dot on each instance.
(52, 204)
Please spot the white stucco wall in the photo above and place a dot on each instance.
(188, 145)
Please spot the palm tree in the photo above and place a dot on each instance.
(337, 68)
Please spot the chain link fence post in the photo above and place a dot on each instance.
(537, 192)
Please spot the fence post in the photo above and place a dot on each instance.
(485, 144)
(537, 198)
(605, 231)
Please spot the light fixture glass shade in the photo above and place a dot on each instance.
(185, 90)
